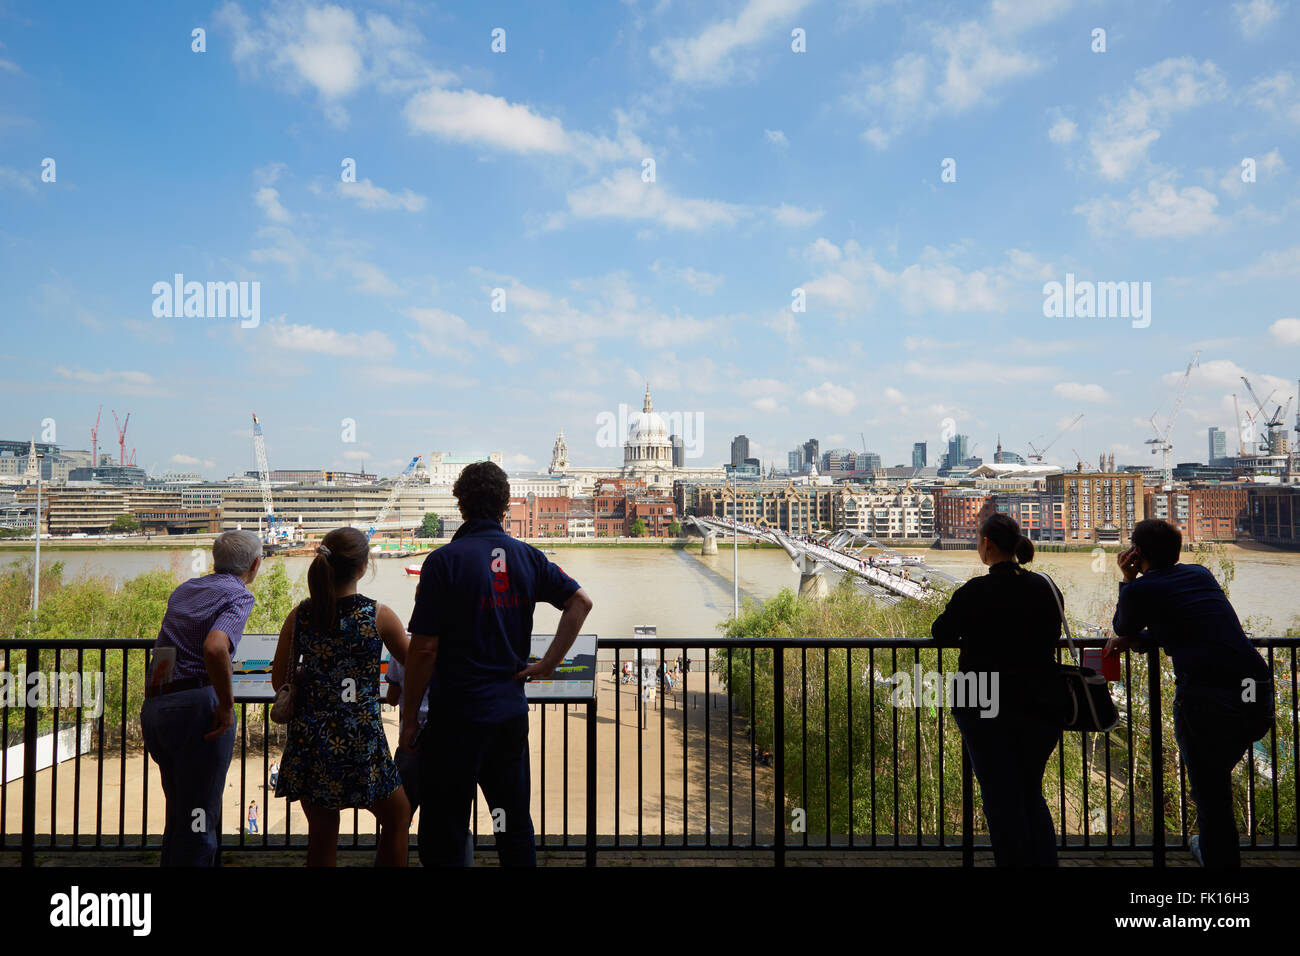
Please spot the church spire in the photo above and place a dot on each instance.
(649, 406)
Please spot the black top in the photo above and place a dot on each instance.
(477, 595)
(1182, 609)
(1005, 621)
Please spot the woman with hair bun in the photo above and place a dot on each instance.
(1007, 625)
(337, 755)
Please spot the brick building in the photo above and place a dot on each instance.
(1204, 513)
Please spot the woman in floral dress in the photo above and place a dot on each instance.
(337, 756)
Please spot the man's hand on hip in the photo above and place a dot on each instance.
(223, 718)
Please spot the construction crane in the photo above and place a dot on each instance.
(264, 481)
(1271, 422)
(94, 439)
(402, 481)
(1243, 425)
(1161, 442)
(121, 436)
(1037, 453)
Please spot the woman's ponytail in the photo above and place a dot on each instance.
(340, 559)
(1004, 531)
(320, 585)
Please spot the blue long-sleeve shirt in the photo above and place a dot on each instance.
(1184, 610)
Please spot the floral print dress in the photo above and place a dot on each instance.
(337, 755)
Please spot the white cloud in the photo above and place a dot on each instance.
(834, 398)
(268, 200)
(369, 196)
(765, 404)
(371, 279)
(1078, 392)
(933, 283)
(469, 117)
(1286, 331)
(1121, 138)
(1274, 264)
(1266, 167)
(1163, 212)
(385, 375)
(182, 459)
(126, 377)
(776, 138)
(15, 180)
(327, 50)
(709, 57)
(442, 332)
(1256, 16)
(1278, 94)
(1063, 131)
(705, 283)
(964, 65)
(788, 215)
(623, 195)
(308, 338)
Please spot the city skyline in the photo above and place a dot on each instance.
(920, 176)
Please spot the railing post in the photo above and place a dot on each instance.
(29, 765)
(591, 779)
(778, 730)
(1157, 759)
(967, 808)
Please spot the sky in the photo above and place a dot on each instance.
(473, 225)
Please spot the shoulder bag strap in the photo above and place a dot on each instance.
(1060, 609)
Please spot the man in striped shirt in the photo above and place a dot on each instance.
(188, 717)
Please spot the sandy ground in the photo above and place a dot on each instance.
(671, 746)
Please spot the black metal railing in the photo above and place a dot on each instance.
(767, 746)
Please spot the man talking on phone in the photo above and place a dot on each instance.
(1223, 700)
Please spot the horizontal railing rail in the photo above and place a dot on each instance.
(767, 745)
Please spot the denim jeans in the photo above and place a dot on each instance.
(193, 772)
(456, 757)
(1214, 729)
(1008, 755)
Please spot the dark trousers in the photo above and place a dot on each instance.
(193, 771)
(1008, 754)
(456, 757)
(1214, 729)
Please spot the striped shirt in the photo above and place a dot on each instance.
(214, 602)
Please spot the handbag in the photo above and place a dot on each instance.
(283, 705)
(1086, 701)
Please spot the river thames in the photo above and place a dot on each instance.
(685, 594)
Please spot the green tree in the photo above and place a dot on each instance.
(430, 527)
(675, 529)
(638, 528)
(124, 523)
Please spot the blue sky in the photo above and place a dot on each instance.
(523, 170)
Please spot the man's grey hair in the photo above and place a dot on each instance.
(235, 551)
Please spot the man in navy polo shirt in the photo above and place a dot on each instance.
(470, 636)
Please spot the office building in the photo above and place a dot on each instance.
(918, 455)
(739, 450)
